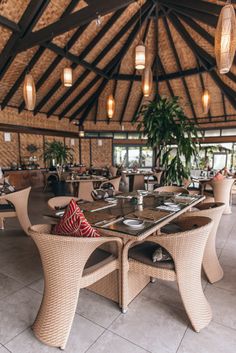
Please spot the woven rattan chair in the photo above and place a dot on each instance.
(186, 249)
(138, 182)
(85, 190)
(222, 192)
(211, 265)
(172, 189)
(113, 171)
(115, 182)
(19, 199)
(65, 273)
(58, 202)
(157, 179)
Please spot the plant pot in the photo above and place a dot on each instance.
(59, 188)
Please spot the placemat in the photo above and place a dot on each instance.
(96, 205)
(150, 214)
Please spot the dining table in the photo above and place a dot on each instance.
(132, 175)
(202, 181)
(74, 183)
(114, 218)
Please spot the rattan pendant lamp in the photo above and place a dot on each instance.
(147, 81)
(225, 38)
(140, 51)
(29, 92)
(111, 106)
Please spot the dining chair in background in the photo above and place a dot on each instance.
(115, 182)
(186, 249)
(222, 192)
(19, 200)
(85, 190)
(69, 264)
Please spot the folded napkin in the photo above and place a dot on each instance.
(169, 208)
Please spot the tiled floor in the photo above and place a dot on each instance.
(155, 322)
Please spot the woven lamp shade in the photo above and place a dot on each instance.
(206, 101)
(140, 56)
(111, 105)
(225, 39)
(67, 77)
(81, 131)
(29, 92)
(147, 82)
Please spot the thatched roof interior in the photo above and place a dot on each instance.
(179, 34)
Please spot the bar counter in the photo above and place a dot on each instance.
(24, 178)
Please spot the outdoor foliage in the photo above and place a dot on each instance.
(164, 123)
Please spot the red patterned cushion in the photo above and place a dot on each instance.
(74, 223)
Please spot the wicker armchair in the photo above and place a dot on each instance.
(68, 264)
(172, 189)
(186, 249)
(19, 199)
(222, 192)
(157, 179)
(138, 182)
(85, 190)
(113, 171)
(60, 202)
(115, 182)
(211, 265)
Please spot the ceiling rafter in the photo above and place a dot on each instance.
(84, 53)
(5, 22)
(41, 50)
(171, 41)
(130, 85)
(204, 57)
(78, 18)
(103, 53)
(29, 18)
(113, 64)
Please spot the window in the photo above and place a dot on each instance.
(106, 134)
(134, 135)
(131, 156)
(209, 133)
(91, 134)
(120, 155)
(228, 132)
(120, 135)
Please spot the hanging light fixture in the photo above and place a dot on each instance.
(111, 106)
(81, 131)
(206, 101)
(147, 81)
(140, 56)
(67, 76)
(225, 38)
(29, 92)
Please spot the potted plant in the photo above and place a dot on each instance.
(164, 123)
(57, 154)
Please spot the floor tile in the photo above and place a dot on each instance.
(228, 256)
(96, 308)
(37, 285)
(152, 325)
(83, 335)
(4, 350)
(8, 286)
(18, 312)
(213, 339)
(223, 304)
(118, 344)
(228, 281)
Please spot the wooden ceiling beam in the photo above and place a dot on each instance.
(78, 18)
(74, 58)
(199, 5)
(29, 18)
(41, 50)
(82, 77)
(205, 59)
(163, 77)
(100, 57)
(224, 106)
(176, 56)
(130, 85)
(113, 64)
(207, 19)
(164, 74)
(5, 22)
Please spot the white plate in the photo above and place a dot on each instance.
(110, 199)
(60, 213)
(133, 223)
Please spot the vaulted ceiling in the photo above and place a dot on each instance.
(43, 36)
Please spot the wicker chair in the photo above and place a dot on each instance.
(113, 171)
(138, 182)
(115, 182)
(222, 192)
(68, 266)
(85, 190)
(58, 202)
(172, 189)
(157, 179)
(211, 265)
(19, 199)
(186, 249)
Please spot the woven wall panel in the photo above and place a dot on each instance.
(101, 155)
(74, 145)
(9, 151)
(85, 152)
(25, 141)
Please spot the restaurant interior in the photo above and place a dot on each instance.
(117, 176)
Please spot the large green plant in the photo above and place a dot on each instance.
(164, 123)
(57, 151)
